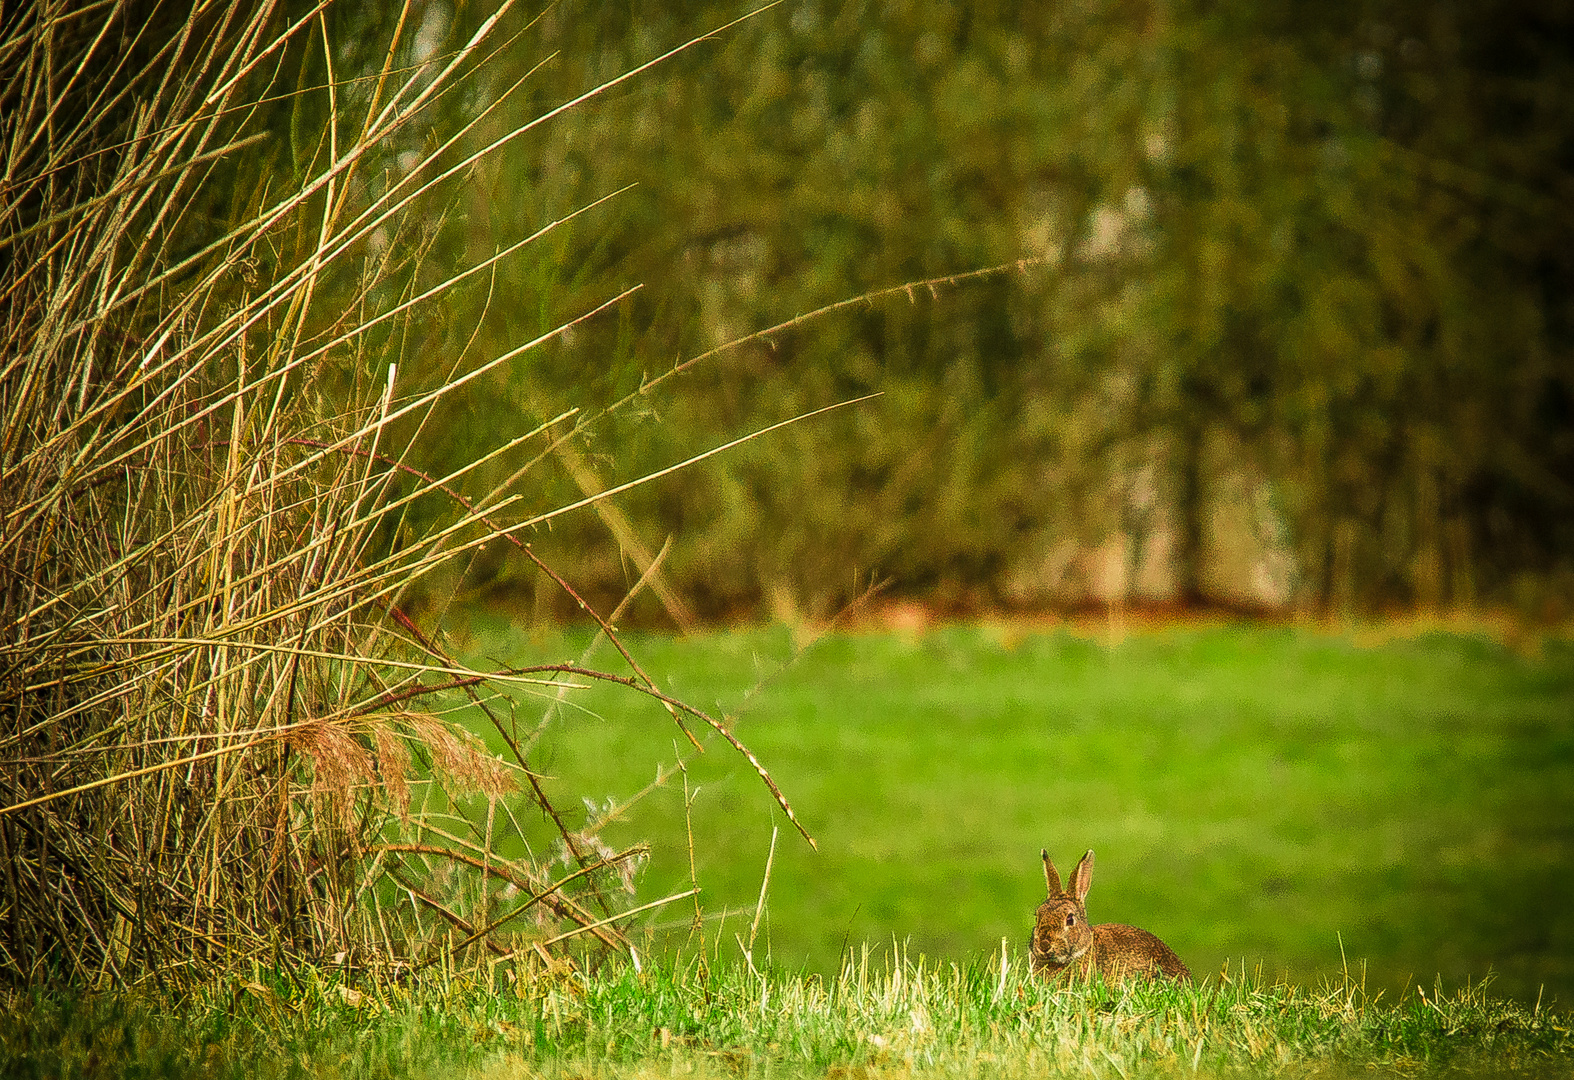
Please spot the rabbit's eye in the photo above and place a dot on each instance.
(1071, 920)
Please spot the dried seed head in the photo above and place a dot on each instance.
(393, 766)
(341, 766)
(462, 757)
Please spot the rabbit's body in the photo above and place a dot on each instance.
(1063, 940)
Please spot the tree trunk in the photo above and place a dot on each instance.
(1189, 511)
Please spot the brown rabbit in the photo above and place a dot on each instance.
(1063, 941)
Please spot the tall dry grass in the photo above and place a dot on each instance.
(222, 740)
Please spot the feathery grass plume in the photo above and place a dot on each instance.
(221, 740)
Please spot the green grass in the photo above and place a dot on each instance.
(876, 1018)
(1253, 794)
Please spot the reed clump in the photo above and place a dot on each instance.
(224, 742)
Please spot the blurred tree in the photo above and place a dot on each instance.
(1321, 253)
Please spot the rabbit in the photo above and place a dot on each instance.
(1063, 940)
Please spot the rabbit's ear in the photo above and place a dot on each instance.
(1082, 877)
(1051, 875)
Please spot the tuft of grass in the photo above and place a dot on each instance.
(222, 735)
(210, 703)
(885, 1015)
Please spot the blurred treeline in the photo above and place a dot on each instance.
(1301, 334)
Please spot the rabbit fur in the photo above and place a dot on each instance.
(1063, 941)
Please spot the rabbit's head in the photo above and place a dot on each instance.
(1061, 932)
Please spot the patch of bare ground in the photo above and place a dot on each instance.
(1109, 624)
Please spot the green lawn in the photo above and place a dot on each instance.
(901, 1020)
(1253, 794)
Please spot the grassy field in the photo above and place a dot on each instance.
(877, 1018)
(1299, 801)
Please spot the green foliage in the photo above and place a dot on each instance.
(880, 1016)
(1324, 257)
(1296, 799)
